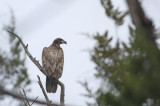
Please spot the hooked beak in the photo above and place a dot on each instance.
(64, 42)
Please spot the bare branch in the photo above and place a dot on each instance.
(36, 62)
(23, 99)
(34, 100)
(14, 95)
(44, 93)
(26, 97)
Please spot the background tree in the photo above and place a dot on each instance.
(13, 72)
(130, 72)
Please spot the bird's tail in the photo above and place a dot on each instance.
(51, 84)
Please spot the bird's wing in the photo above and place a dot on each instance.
(49, 60)
(59, 64)
(52, 61)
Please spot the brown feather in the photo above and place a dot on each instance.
(52, 62)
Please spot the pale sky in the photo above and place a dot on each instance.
(39, 22)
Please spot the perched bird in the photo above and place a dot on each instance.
(52, 62)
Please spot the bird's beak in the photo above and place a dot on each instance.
(64, 42)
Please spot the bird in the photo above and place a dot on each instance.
(52, 62)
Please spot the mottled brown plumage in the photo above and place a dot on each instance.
(52, 62)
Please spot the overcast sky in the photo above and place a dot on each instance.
(39, 22)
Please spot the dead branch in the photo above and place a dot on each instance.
(44, 93)
(23, 99)
(26, 98)
(34, 100)
(36, 62)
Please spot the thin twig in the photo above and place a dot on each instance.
(23, 99)
(34, 100)
(44, 93)
(26, 98)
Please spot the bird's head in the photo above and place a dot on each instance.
(59, 41)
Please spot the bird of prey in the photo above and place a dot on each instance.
(52, 62)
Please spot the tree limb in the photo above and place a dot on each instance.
(140, 20)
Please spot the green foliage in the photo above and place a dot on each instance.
(133, 72)
(114, 14)
(13, 72)
(130, 72)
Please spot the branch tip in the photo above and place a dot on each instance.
(26, 46)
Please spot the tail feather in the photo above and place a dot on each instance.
(51, 84)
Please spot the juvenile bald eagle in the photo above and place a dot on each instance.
(52, 62)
